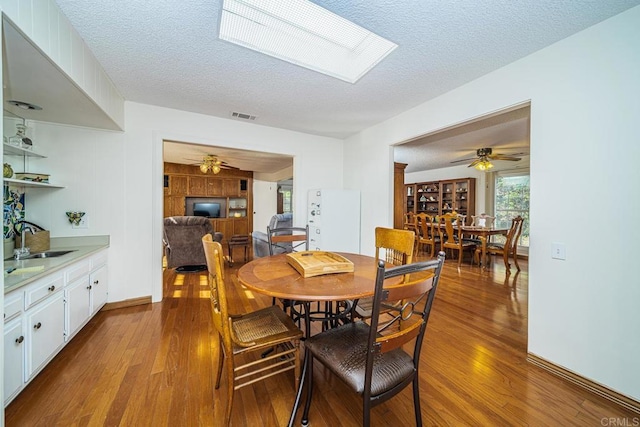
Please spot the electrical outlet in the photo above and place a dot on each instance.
(84, 223)
(558, 251)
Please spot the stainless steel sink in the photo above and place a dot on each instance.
(46, 254)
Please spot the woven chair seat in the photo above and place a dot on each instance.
(268, 326)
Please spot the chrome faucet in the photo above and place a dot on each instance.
(23, 251)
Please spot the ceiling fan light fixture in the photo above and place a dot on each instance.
(210, 164)
(484, 165)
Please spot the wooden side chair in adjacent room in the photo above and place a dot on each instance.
(254, 332)
(483, 220)
(426, 233)
(393, 246)
(377, 359)
(410, 224)
(451, 237)
(508, 248)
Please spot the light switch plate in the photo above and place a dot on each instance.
(558, 251)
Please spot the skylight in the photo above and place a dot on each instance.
(305, 34)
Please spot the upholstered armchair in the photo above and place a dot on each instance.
(182, 240)
(261, 240)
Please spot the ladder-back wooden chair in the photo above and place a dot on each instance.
(242, 334)
(393, 246)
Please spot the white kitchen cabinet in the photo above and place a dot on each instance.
(99, 291)
(77, 296)
(14, 355)
(86, 291)
(45, 332)
(42, 316)
(78, 300)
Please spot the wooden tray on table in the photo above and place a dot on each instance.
(316, 263)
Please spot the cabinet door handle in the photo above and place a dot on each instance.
(89, 287)
(51, 288)
(19, 339)
(37, 325)
(95, 282)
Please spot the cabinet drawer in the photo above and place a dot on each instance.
(13, 305)
(76, 271)
(98, 260)
(41, 289)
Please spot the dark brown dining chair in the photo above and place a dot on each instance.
(505, 249)
(393, 246)
(370, 357)
(451, 237)
(288, 240)
(254, 332)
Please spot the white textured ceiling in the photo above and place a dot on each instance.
(166, 53)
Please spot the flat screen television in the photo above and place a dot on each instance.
(208, 209)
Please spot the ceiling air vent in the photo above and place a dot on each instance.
(243, 116)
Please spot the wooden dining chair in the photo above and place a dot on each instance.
(508, 248)
(377, 359)
(253, 332)
(393, 246)
(451, 237)
(426, 233)
(483, 220)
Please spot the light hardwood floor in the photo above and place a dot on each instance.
(152, 365)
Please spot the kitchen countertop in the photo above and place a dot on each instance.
(39, 267)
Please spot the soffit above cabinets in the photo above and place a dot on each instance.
(30, 76)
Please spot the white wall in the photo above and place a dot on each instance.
(87, 162)
(584, 92)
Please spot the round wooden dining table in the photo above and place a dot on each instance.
(274, 276)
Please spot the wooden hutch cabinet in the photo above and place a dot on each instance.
(440, 197)
(232, 189)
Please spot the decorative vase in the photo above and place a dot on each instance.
(7, 171)
(20, 138)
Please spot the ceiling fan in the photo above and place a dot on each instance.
(212, 164)
(483, 158)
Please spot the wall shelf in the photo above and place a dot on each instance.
(23, 183)
(12, 150)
